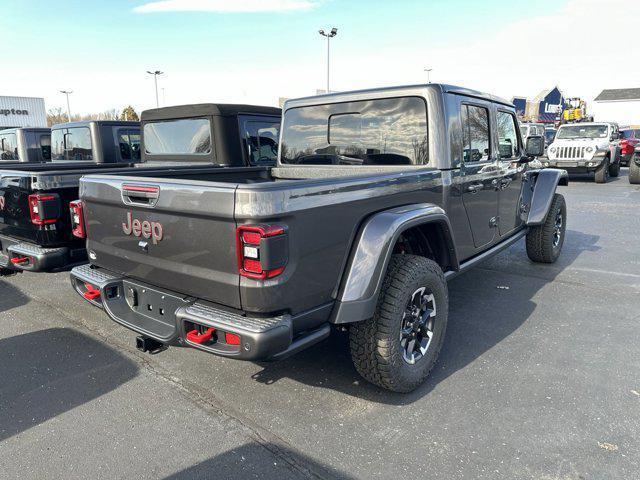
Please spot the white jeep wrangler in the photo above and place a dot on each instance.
(586, 147)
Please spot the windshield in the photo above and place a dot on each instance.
(71, 144)
(389, 131)
(582, 131)
(190, 136)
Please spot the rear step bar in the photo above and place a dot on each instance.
(190, 322)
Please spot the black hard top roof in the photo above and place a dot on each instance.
(29, 129)
(86, 123)
(206, 109)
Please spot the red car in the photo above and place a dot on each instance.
(629, 139)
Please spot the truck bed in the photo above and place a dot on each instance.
(198, 213)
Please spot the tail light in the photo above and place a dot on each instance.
(77, 219)
(44, 208)
(262, 250)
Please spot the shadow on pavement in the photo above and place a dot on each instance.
(11, 297)
(482, 313)
(49, 372)
(254, 460)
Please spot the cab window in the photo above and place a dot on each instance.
(260, 136)
(71, 144)
(8, 147)
(475, 134)
(388, 131)
(45, 146)
(507, 137)
(129, 144)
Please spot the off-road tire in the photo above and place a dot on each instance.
(540, 239)
(614, 169)
(602, 172)
(634, 170)
(375, 344)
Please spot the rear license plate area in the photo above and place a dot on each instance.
(147, 301)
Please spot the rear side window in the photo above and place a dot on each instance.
(71, 144)
(129, 143)
(189, 136)
(8, 146)
(507, 137)
(260, 136)
(45, 146)
(389, 131)
(475, 134)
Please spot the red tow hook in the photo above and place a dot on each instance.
(92, 293)
(19, 260)
(199, 338)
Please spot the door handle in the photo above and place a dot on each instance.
(474, 187)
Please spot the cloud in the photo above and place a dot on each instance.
(225, 6)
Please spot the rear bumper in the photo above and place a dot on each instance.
(169, 318)
(24, 256)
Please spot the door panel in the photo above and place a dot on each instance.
(510, 183)
(480, 173)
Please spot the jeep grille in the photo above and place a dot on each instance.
(571, 152)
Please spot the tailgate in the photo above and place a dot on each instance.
(175, 234)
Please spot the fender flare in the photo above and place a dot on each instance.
(361, 282)
(544, 184)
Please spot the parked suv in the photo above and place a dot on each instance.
(586, 148)
(629, 140)
(378, 198)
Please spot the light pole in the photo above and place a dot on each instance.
(155, 79)
(330, 35)
(428, 70)
(67, 93)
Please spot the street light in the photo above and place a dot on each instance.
(155, 79)
(67, 93)
(330, 35)
(428, 70)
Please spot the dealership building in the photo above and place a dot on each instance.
(22, 112)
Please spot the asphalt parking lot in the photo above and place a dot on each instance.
(538, 378)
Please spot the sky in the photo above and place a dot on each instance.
(256, 51)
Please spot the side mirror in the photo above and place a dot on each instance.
(535, 146)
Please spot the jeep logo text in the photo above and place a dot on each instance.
(146, 229)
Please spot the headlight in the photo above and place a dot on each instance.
(552, 149)
(589, 149)
(546, 164)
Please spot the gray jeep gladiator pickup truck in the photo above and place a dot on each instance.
(378, 198)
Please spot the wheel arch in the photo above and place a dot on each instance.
(539, 190)
(379, 237)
